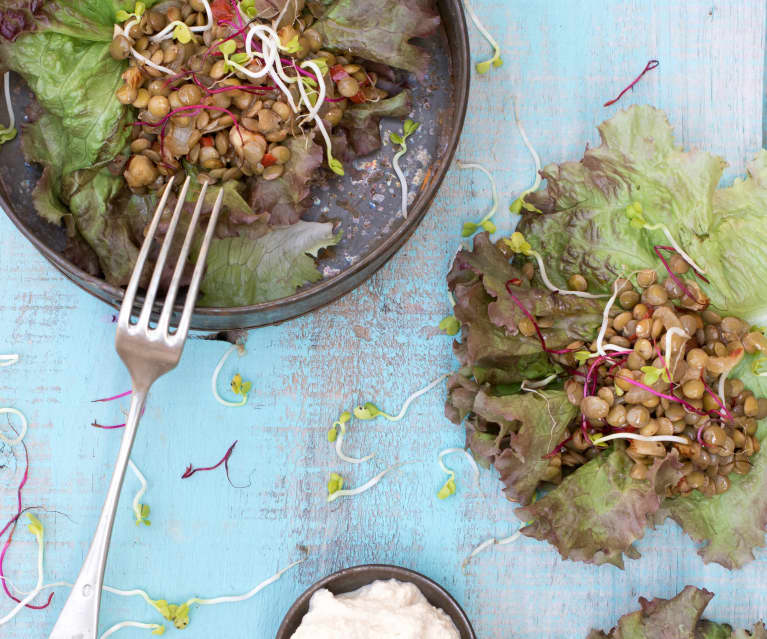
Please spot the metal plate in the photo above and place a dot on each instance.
(365, 204)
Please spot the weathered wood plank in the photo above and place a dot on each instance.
(563, 59)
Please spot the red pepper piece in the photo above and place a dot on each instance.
(268, 160)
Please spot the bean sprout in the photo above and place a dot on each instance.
(672, 241)
(533, 153)
(22, 430)
(367, 485)
(370, 411)
(149, 63)
(468, 455)
(9, 106)
(167, 32)
(561, 291)
(137, 506)
(155, 627)
(527, 385)
(488, 543)
(339, 448)
(484, 67)
(472, 165)
(606, 319)
(214, 381)
(674, 330)
(642, 438)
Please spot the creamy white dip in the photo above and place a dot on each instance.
(382, 610)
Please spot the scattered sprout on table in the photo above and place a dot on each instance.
(336, 435)
(496, 60)
(238, 386)
(156, 628)
(141, 511)
(449, 488)
(469, 228)
(369, 410)
(35, 526)
(335, 485)
(450, 325)
(520, 203)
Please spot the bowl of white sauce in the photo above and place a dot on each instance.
(376, 602)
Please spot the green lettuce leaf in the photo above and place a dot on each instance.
(526, 427)
(599, 511)
(583, 227)
(75, 82)
(242, 271)
(381, 30)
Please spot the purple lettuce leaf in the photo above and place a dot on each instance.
(361, 122)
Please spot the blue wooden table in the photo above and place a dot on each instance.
(562, 59)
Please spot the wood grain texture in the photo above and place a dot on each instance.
(563, 59)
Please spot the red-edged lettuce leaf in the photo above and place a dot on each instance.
(599, 511)
(361, 122)
(525, 428)
(732, 524)
(584, 229)
(381, 30)
(491, 342)
(677, 618)
(287, 198)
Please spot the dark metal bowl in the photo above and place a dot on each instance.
(365, 206)
(351, 579)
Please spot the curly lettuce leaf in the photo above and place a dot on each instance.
(242, 271)
(492, 343)
(677, 618)
(529, 426)
(598, 512)
(381, 30)
(583, 227)
(361, 121)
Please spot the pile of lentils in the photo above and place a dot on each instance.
(720, 436)
(220, 147)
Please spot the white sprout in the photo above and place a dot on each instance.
(488, 543)
(130, 624)
(415, 396)
(469, 456)
(530, 148)
(401, 177)
(674, 330)
(167, 32)
(38, 585)
(367, 485)
(722, 379)
(551, 287)
(149, 63)
(527, 385)
(606, 319)
(530, 389)
(137, 498)
(340, 452)
(247, 595)
(492, 211)
(22, 431)
(486, 34)
(214, 380)
(281, 15)
(643, 438)
(11, 122)
(8, 360)
(672, 241)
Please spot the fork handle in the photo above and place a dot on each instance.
(80, 616)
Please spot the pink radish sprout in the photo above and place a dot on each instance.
(224, 460)
(109, 399)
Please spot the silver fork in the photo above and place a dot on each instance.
(148, 353)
